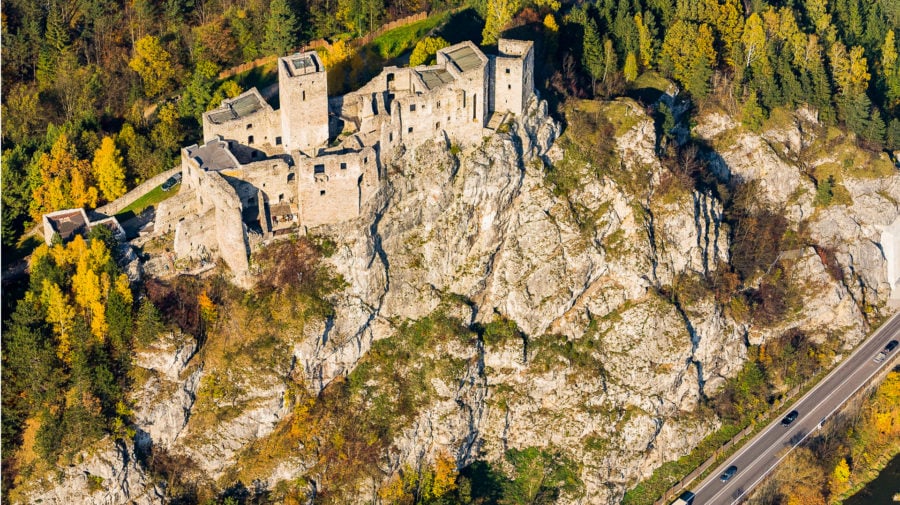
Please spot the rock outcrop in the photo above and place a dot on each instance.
(614, 359)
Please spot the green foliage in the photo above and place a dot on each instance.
(500, 331)
(281, 29)
(148, 323)
(752, 115)
(670, 472)
(825, 191)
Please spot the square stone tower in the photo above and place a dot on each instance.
(303, 90)
(513, 76)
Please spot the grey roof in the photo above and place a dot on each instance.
(241, 106)
(300, 64)
(436, 78)
(465, 58)
(214, 155)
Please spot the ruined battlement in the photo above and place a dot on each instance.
(317, 160)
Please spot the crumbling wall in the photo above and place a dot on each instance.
(177, 208)
(332, 187)
(260, 128)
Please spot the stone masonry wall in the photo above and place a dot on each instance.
(332, 186)
(263, 127)
(304, 106)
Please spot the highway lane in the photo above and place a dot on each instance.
(757, 458)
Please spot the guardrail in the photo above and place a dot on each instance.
(681, 485)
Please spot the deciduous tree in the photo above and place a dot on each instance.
(425, 50)
(154, 65)
(109, 169)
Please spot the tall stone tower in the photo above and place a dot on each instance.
(303, 90)
(513, 73)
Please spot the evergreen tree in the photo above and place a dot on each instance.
(592, 52)
(281, 29)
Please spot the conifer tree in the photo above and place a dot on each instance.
(592, 53)
(281, 29)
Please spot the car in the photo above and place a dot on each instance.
(881, 356)
(791, 417)
(685, 498)
(728, 473)
(171, 182)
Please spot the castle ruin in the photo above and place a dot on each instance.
(316, 160)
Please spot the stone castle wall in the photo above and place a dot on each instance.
(247, 182)
(332, 187)
(260, 128)
(304, 103)
(513, 71)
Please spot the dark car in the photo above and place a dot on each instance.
(728, 473)
(791, 417)
(685, 498)
(171, 182)
(887, 349)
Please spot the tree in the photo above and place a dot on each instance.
(154, 65)
(850, 70)
(752, 115)
(213, 41)
(64, 180)
(645, 41)
(109, 170)
(499, 14)
(425, 50)
(21, 113)
(167, 133)
(688, 55)
(592, 53)
(630, 69)
(281, 29)
(753, 40)
(890, 68)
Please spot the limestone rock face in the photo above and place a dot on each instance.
(109, 472)
(612, 365)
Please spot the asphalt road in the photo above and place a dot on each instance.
(764, 452)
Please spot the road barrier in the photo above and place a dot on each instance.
(683, 484)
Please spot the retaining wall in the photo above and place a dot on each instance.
(114, 207)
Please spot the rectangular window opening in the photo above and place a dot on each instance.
(412, 107)
(321, 192)
(250, 139)
(249, 125)
(409, 130)
(277, 141)
(319, 169)
(343, 166)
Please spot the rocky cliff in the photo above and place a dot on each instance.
(620, 333)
